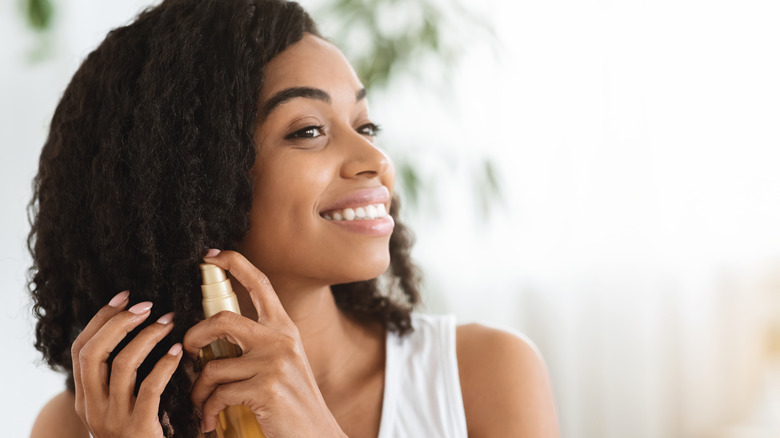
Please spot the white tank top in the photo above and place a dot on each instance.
(422, 389)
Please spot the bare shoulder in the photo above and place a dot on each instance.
(58, 418)
(505, 384)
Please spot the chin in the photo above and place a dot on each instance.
(366, 268)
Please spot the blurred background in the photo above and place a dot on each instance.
(599, 175)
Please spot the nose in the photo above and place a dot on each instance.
(364, 159)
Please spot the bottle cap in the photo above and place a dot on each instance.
(212, 273)
(217, 291)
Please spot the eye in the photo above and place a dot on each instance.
(312, 131)
(369, 129)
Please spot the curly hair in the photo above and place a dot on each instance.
(147, 164)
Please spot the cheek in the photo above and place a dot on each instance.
(288, 188)
(283, 213)
(280, 215)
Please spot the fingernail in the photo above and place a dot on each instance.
(212, 253)
(166, 319)
(175, 349)
(119, 298)
(141, 307)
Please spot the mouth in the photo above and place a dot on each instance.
(356, 213)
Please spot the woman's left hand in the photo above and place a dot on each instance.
(272, 376)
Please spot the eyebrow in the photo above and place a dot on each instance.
(304, 92)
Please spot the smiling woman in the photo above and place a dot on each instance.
(234, 125)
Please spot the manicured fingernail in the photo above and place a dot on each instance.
(141, 307)
(119, 298)
(166, 319)
(175, 349)
(212, 253)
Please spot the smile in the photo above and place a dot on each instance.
(366, 212)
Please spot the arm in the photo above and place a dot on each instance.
(59, 418)
(505, 385)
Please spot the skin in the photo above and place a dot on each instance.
(307, 368)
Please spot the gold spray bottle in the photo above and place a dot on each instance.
(218, 295)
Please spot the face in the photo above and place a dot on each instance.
(322, 187)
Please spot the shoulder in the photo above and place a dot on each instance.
(505, 385)
(58, 418)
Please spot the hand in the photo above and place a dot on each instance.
(272, 376)
(111, 410)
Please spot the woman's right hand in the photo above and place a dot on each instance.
(111, 410)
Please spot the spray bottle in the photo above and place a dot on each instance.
(218, 295)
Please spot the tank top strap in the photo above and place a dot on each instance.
(422, 395)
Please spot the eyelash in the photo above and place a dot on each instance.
(372, 127)
(305, 133)
(302, 133)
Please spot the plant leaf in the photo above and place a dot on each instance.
(39, 14)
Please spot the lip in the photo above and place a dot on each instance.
(358, 198)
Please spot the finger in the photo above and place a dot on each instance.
(147, 404)
(93, 357)
(124, 367)
(256, 283)
(217, 372)
(117, 303)
(229, 326)
(231, 394)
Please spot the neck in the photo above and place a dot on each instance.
(333, 341)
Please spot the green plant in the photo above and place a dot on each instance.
(39, 14)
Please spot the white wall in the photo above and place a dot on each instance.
(638, 148)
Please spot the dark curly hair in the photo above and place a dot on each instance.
(147, 164)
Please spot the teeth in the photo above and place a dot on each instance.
(372, 211)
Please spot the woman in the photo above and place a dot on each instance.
(234, 125)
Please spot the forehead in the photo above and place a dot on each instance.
(311, 62)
